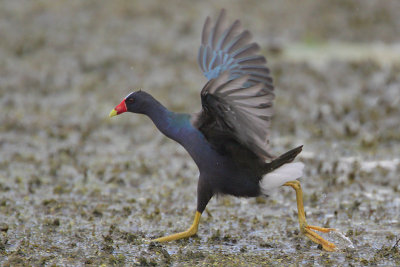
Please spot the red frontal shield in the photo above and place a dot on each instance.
(121, 108)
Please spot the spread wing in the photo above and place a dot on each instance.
(237, 100)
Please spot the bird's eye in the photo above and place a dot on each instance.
(129, 100)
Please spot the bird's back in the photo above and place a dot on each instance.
(227, 146)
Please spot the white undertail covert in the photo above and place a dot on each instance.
(285, 173)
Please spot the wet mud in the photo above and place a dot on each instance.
(77, 188)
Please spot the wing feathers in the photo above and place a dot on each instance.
(218, 28)
(206, 31)
(246, 50)
(231, 85)
(238, 41)
(232, 31)
(237, 100)
(252, 60)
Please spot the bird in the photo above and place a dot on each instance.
(229, 138)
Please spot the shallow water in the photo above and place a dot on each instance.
(77, 188)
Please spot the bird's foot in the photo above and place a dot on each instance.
(189, 232)
(316, 238)
(304, 227)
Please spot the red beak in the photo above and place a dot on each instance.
(121, 108)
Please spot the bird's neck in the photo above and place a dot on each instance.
(168, 122)
(178, 127)
(162, 118)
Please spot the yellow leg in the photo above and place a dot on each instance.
(304, 227)
(189, 232)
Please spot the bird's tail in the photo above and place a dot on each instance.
(281, 170)
(283, 159)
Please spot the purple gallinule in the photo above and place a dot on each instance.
(228, 138)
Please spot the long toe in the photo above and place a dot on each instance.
(187, 233)
(320, 229)
(316, 238)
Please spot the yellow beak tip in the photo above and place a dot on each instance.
(112, 113)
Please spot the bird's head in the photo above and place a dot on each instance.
(135, 102)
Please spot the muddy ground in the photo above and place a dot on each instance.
(78, 188)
